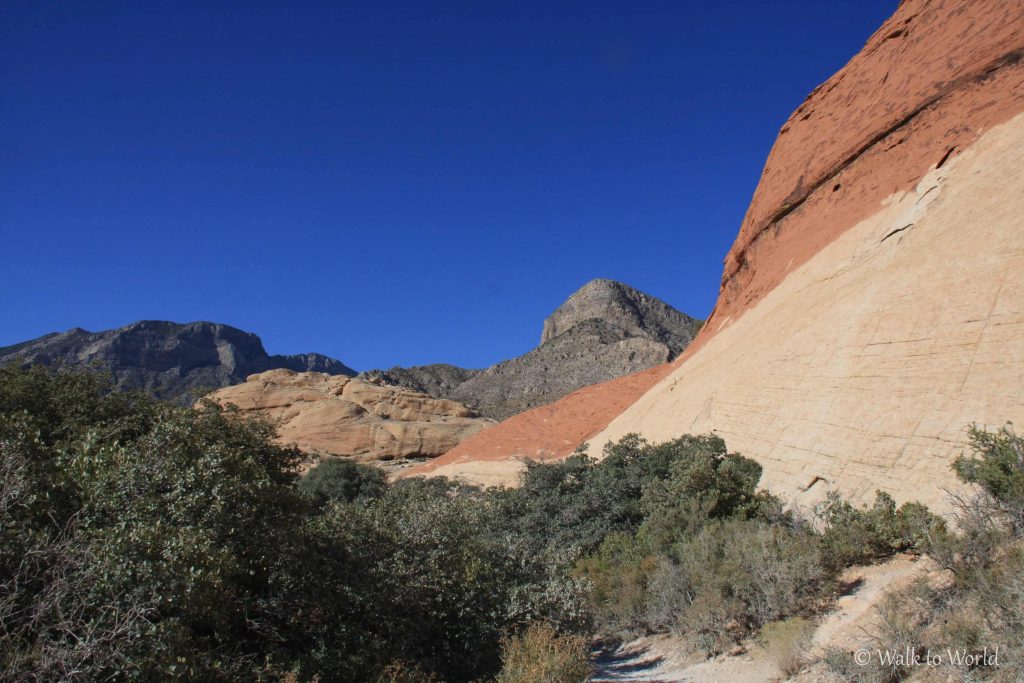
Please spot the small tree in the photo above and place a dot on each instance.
(337, 479)
(997, 466)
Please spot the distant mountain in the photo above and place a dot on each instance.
(172, 361)
(604, 330)
(438, 380)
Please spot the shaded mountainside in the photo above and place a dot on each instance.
(604, 330)
(171, 361)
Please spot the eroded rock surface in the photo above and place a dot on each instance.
(337, 415)
(623, 308)
(872, 306)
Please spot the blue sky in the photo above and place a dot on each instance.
(387, 182)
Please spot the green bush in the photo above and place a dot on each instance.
(978, 605)
(337, 479)
(704, 482)
(574, 504)
(706, 555)
(732, 578)
(141, 540)
(997, 467)
(860, 536)
(618, 575)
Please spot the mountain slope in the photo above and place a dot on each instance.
(620, 306)
(872, 305)
(605, 330)
(171, 361)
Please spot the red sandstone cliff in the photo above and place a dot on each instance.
(884, 345)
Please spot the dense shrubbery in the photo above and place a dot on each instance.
(709, 557)
(541, 655)
(975, 606)
(343, 481)
(853, 536)
(140, 540)
(696, 550)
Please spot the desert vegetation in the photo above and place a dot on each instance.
(966, 619)
(141, 540)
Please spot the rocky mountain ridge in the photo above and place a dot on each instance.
(604, 330)
(172, 361)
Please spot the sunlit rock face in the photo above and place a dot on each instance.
(871, 306)
(336, 415)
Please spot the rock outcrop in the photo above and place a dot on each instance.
(337, 415)
(604, 330)
(171, 361)
(623, 308)
(439, 379)
(873, 304)
(495, 456)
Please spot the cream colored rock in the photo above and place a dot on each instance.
(338, 415)
(863, 368)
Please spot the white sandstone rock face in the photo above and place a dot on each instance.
(863, 368)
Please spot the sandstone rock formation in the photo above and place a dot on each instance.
(171, 361)
(873, 304)
(337, 415)
(604, 330)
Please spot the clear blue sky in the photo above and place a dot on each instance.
(386, 182)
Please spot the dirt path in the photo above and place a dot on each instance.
(663, 659)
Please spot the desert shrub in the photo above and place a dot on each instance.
(140, 539)
(574, 504)
(144, 540)
(706, 482)
(859, 536)
(711, 558)
(434, 588)
(404, 672)
(787, 643)
(434, 486)
(618, 575)
(981, 612)
(733, 577)
(845, 669)
(976, 605)
(342, 480)
(997, 467)
(541, 655)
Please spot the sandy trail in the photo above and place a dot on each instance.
(663, 659)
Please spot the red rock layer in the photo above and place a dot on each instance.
(555, 430)
(925, 86)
